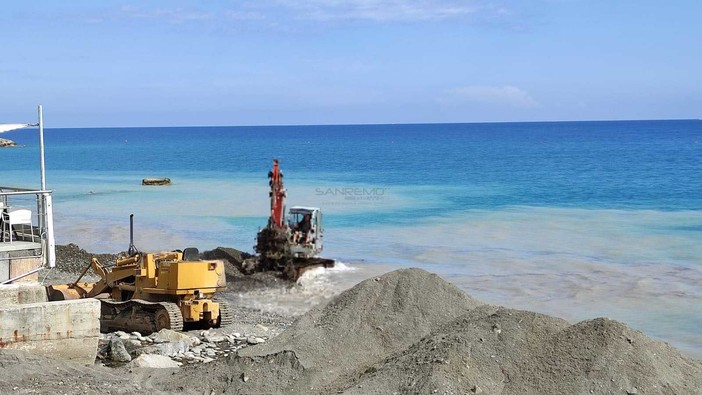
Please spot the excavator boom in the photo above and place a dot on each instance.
(277, 195)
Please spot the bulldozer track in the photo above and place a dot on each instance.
(226, 313)
(140, 316)
(175, 317)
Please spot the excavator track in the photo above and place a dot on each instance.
(226, 313)
(139, 316)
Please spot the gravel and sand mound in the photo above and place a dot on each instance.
(23, 373)
(495, 350)
(406, 332)
(237, 281)
(361, 326)
(411, 332)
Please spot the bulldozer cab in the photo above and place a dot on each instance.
(306, 231)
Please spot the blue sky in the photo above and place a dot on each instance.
(272, 62)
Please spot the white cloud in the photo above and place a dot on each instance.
(494, 95)
(301, 10)
(379, 10)
(290, 15)
(286, 14)
(172, 15)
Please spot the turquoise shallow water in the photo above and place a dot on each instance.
(578, 219)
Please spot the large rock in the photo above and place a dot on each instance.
(167, 349)
(118, 352)
(168, 335)
(7, 143)
(154, 362)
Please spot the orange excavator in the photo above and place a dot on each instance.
(292, 247)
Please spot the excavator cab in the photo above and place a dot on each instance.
(306, 231)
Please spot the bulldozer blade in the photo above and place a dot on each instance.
(68, 291)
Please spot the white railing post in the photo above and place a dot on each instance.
(41, 149)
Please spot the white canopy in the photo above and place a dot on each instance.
(4, 127)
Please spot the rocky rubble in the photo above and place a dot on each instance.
(180, 348)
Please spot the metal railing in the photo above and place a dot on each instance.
(40, 235)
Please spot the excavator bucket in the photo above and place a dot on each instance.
(300, 265)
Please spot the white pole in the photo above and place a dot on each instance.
(50, 240)
(47, 217)
(41, 149)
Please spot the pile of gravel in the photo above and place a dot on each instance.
(332, 344)
(25, 373)
(237, 281)
(73, 259)
(406, 332)
(364, 324)
(496, 350)
(411, 332)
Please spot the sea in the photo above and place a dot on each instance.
(574, 219)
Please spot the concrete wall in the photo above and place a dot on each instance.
(67, 329)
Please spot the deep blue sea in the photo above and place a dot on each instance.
(575, 219)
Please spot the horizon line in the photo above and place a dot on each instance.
(375, 124)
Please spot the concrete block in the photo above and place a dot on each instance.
(67, 329)
(14, 294)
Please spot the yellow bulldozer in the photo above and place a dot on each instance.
(147, 292)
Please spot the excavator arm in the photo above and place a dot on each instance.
(277, 195)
